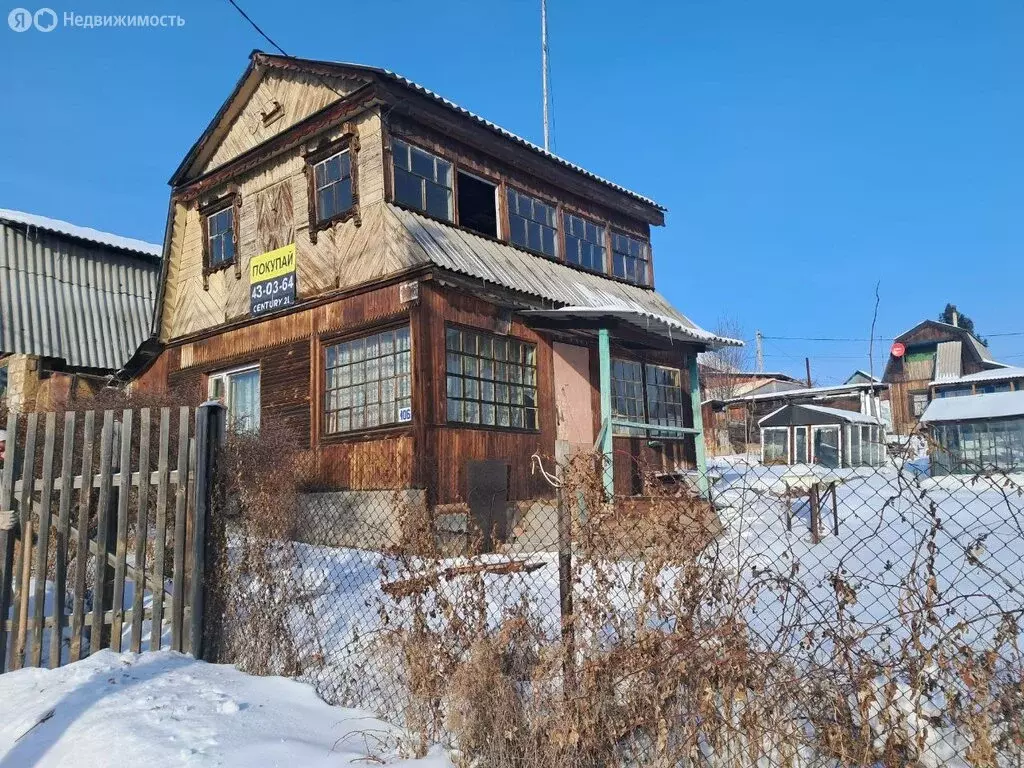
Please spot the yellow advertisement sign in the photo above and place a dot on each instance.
(276, 263)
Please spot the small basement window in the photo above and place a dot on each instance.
(477, 204)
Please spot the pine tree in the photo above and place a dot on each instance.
(962, 320)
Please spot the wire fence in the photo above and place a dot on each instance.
(794, 616)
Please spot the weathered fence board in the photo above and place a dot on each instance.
(82, 539)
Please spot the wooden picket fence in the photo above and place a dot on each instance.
(118, 512)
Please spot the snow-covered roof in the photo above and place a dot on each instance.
(662, 325)
(844, 415)
(80, 233)
(837, 389)
(972, 407)
(995, 374)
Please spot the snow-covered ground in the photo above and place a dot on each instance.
(164, 709)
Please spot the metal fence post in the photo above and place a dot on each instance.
(210, 434)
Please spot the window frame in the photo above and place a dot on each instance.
(652, 435)
(605, 241)
(225, 374)
(646, 281)
(787, 459)
(322, 412)
(911, 395)
(229, 201)
(536, 429)
(453, 189)
(349, 142)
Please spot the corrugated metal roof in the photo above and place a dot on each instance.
(948, 359)
(505, 265)
(297, 62)
(983, 351)
(969, 407)
(813, 392)
(90, 305)
(995, 374)
(658, 324)
(81, 233)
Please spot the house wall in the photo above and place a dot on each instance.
(31, 386)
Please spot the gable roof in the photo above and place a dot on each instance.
(72, 293)
(861, 374)
(973, 343)
(569, 289)
(259, 61)
(803, 414)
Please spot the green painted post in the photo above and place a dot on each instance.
(698, 424)
(604, 349)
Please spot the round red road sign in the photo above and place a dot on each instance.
(898, 349)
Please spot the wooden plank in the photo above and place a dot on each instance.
(181, 503)
(23, 548)
(106, 618)
(60, 551)
(141, 534)
(42, 550)
(82, 539)
(7, 537)
(102, 532)
(121, 546)
(160, 537)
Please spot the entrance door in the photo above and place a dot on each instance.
(573, 408)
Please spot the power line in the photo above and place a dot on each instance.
(877, 338)
(256, 26)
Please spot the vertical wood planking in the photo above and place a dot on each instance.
(43, 549)
(121, 547)
(160, 540)
(141, 533)
(102, 532)
(82, 541)
(7, 537)
(60, 549)
(23, 548)
(178, 583)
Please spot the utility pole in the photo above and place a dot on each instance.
(807, 362)
(544, 69)
(759, 340)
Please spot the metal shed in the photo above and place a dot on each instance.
(816, 434)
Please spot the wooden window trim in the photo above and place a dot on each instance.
(389, 185)
(606, 228)
(648, 262)
(559, 244)
(231, 199)
(348, 141)
(487, 427)
(319, 363)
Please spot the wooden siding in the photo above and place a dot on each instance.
(299, 95)
(448, 448)
(274, 211)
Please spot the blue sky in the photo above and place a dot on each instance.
(804, 149)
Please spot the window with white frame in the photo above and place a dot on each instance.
(239, 390)
(799, 445)
(422, 181)
(826, 445)
(491, 380)
(532, 224)
(629, 258)
(332, 186)
(368, 382)
(584, 242)
(220, 238)
(918, 403)
(775, 445)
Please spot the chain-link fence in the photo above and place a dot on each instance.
(786, 616)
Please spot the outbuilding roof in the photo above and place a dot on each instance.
(794, 415)
(73, 293)
(974, 407)
(995, 374)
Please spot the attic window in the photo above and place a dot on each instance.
(220, 238)
(629, 258)
(532, 223)
(422, 181)
(477, 205)
(584, 242)
(332, 181)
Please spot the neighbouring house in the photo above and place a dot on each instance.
(1008, 379)
(718, 383)
(976, 433)
(732, 425)
(861, 377)
(818, 434)
(75, 303)
(424, 299)
(930, 351)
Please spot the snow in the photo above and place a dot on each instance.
(82, 233)
(996, 374)
(164, 709)
(990, 406)
(844, 415)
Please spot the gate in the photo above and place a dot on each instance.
(104, 552)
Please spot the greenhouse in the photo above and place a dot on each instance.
(976, 434)
(815, 434)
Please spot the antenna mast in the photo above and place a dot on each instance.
(544, 68)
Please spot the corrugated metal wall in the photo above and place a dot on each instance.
(88, 305)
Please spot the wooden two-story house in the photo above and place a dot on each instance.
(412, 289)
